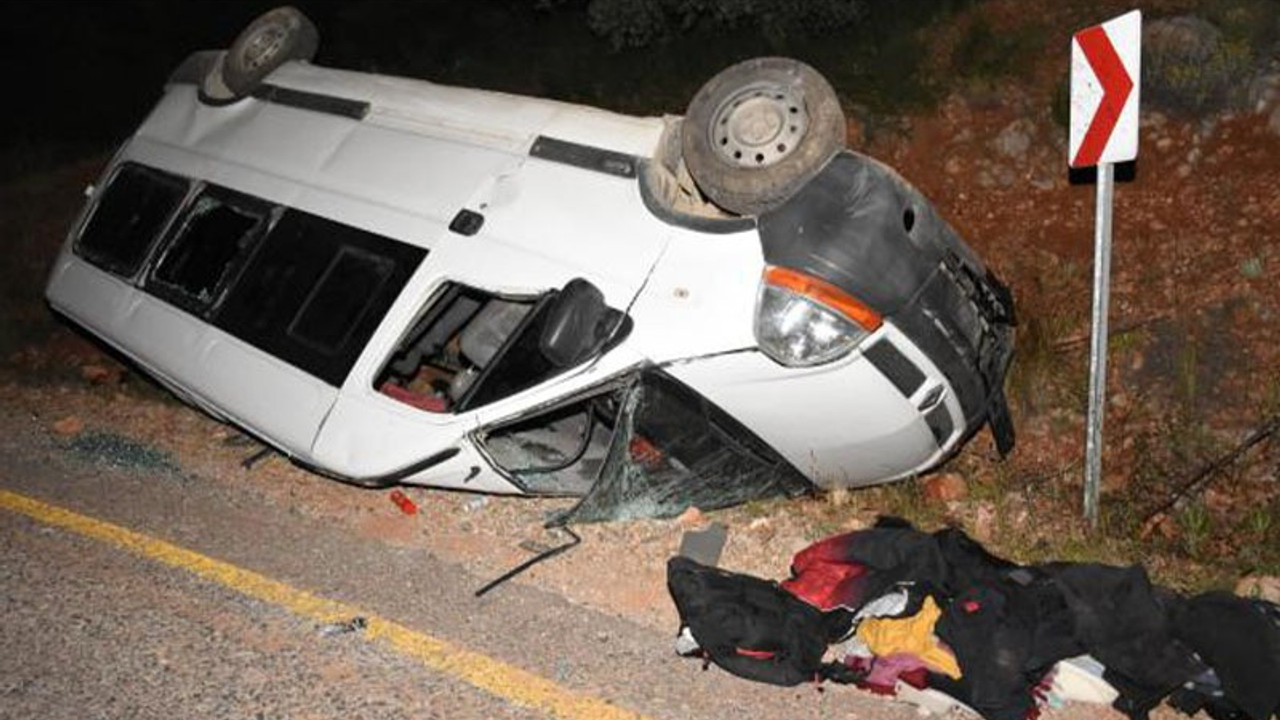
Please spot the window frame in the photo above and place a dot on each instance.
(386, 267)
(279, 250)
(143, 261)
(266, 214)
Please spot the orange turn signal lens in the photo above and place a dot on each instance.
(826, 294)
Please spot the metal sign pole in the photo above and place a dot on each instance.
(1098, 346)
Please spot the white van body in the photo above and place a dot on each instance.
(561, 194)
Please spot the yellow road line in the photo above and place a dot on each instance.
(493, 676)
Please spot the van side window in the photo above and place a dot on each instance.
(134, 208)
(213, 238)
(315, 291)
(461, 333)
(346, 290)
(470, 348)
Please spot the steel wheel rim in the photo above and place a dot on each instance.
(759, 125)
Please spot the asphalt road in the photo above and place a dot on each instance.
(94, 630)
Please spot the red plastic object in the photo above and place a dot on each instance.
(403, 502)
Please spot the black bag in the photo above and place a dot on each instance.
(753, 628)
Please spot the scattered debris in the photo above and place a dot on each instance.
(704, 546)
(897, 611)
(475, 503)
(69, 426)
(256, 457)
(121, 453)
(402, 501)
(354, 625)
(1207, 474)
(573, 541)
(235, 439)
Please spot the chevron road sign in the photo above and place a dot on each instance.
(1105, 74)
(1105, 67)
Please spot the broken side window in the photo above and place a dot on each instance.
(211, 241)
(558, 450)
(671, 450)
(134, 208)
(315, 291)
(436, 365)
(471, 348)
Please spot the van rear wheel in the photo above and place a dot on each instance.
(271, 40)
(758, 130)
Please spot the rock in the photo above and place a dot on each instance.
(760, 524)
(946, 487)
(1265, 587)
(1161, 524)
(953, 166)
(1164, 143)
(1153, 120)
(853, 524)
(692, 517)
(69, 426)
(1041, 181)
(984, 522)
(96, 374)
(1015, 139)
(1264, 92)
(1014, 510)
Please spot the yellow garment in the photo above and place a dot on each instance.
(912, 635)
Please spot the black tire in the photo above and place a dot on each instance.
(271, 40)
(758, 130)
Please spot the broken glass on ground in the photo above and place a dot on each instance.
(643, 446)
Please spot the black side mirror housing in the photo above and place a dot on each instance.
(578, 324)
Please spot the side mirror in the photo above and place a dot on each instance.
(578, 323)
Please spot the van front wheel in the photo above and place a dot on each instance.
(271, 40)
(758, 130)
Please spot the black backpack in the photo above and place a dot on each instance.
(753, 628)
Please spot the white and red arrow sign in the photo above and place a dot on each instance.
(1105, 69)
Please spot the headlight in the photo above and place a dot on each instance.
(801, 320)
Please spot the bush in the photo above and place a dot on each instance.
(1192, 66)
(637, 23)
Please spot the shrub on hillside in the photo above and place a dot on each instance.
(637, 23)
(1196, 66)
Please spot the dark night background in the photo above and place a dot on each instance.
(82, 74)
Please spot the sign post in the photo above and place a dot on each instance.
(1105, 69)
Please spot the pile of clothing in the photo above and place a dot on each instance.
(898, 610)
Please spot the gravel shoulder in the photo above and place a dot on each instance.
(597, 618)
